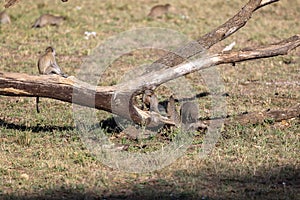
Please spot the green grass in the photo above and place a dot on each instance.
(43, 156)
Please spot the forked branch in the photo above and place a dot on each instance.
(120, 96)
(208, 40)
(56, 87)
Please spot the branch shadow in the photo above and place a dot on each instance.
(34, 129)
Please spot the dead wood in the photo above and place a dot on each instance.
(65, 89)
(208, 40)
(120, 96)
(253, 118)
(10, 3)
(265, 116)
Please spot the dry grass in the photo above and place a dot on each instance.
(42, 155)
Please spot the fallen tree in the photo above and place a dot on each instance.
(171, 67)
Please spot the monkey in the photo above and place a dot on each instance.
(48, 19)
(4, 18)
(146, 99)
(154, 103)
(172, 112)
(47, 65)
(159, 10)
(150, 101)
(189, 112)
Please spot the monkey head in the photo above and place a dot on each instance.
(50, 50)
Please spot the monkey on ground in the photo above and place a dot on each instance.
(172, 112)
(48, 19)
(159, 10)
(47, 65)
(4, 18)
(189, 112)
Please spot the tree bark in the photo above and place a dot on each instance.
(65, 89)
(120, 96)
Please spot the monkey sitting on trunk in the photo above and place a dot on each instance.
(47, 65)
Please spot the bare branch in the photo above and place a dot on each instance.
(157, 78)
(208, 40)
(280, 48)
(266, 2)
(52, 86)
(10, 3)
(120, 96)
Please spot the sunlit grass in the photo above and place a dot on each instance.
(42, 155)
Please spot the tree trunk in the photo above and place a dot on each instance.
(120, 96)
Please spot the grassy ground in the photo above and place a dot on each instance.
(42, 155)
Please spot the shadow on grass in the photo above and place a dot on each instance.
(34, 129)
(283, 183)
(109, 124)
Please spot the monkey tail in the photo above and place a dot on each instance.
(37, 104)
